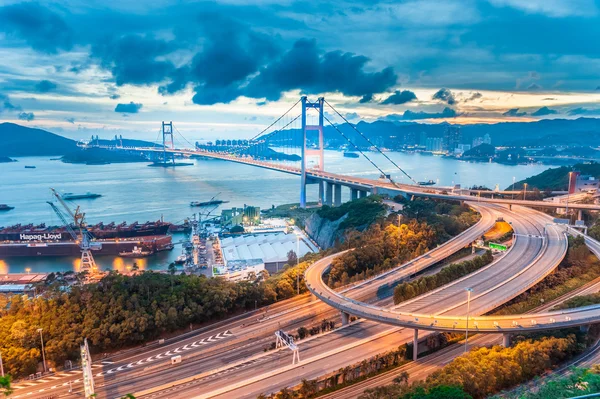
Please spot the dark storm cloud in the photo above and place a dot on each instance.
(514, 112)
(134, 59)
(444, 95)
(409, 115)
(306, 68)
(43, 29)
(26, 116)
(44, 86)
(131, 108)
(400, 97)
(544, 111)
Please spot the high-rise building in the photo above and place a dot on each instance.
(452, 138)
(434, 144)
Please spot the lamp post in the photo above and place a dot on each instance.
(568, 194)
(512, 196)
(469, 290)
(297, 263)
(1, 365)
(525, 191)
(43, 353)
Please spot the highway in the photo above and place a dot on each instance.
(214, 370)
(346, 345)
(247, 336)
(420, 369)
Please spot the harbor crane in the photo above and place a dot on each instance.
(84, 238)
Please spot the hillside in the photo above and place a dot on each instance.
(557, 178)
(19, 141)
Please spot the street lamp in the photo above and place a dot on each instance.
(469, 290)
(27, 270)
(297, 264)
(513, 189)
(1, 365)
(43, 353)
(568, 193)
(525, 192)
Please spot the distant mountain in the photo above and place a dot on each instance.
(19, 141)
(557, 178)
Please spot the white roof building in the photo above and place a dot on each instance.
(271, 248)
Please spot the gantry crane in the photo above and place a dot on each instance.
(84, 238)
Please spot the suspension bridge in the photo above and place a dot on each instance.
(301, 130)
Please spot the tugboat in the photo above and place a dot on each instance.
(136, 252)
(29, 167)
(4, 207)
(350, 154)
(88, 195)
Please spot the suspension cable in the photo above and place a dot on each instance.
(277, 120)
(370, 142)
(358, 149)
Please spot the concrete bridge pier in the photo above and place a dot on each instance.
(353, 194)
(415, 345)
(362, 193)
(506, 340)
(580, 215)
(321, 193)
(337, 195)
(329, 194)
(345, 318)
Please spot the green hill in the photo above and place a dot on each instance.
(20, 141)
(557, 178)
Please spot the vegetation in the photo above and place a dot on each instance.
(485, 371)
(578, 382)
(422, 225)
(557, 178)
(579, 301)
(360, 213)
(579, 267)
(411, 289)
(480, 151)
(120, 311)
(5, 385)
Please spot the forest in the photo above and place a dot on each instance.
(484, 371)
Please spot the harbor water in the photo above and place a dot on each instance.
(135, 192)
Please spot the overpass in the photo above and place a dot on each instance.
(440, 310)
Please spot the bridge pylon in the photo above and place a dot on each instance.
(311, 152)
(167, 137)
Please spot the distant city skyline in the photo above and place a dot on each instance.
(227, 68)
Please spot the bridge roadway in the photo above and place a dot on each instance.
(452, 317)
(359, 183)
(215, 369)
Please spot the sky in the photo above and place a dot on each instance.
(230, 68)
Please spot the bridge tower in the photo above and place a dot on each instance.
(311, 152)
(167, 136)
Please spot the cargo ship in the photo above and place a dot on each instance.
(208, 203)
(42, 240)
(350, 154)
(88, 195)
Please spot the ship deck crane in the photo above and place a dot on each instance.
(84, 239)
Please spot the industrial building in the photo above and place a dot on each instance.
(271, 248)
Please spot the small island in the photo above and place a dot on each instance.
(6, 159)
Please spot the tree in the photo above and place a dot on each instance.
(292, 258)
(5, 385)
